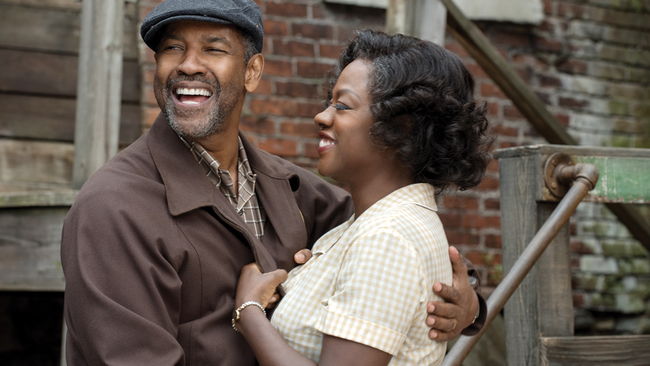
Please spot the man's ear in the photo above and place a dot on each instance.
(254, 72)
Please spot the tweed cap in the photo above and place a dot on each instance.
(244, 14)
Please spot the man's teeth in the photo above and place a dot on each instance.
(188, 91)
(323, 143)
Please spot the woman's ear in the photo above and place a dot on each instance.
(254, 72)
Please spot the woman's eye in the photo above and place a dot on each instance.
(341, 107)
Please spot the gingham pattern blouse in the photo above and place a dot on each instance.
(369, 281)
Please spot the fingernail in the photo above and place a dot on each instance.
(431, 321)
(437, 287)
(300, 257)
(434, 335)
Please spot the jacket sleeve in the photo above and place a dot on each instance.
(476, 327)
(122, 297)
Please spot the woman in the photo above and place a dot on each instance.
(401, 124)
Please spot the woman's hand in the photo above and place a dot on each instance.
(256, 286)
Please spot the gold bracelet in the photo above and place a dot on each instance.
(236, 314)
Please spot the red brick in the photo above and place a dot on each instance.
(508, 38)
(286, 9)
(293, 48)
(579, 247)
(346, 33)
(460, 203)
(263, 88)
(476, 70)
(493, 109)
(488, 184)
(492, 204)
(547, 26)
(297, 89)
(493, 166)
(477, 258)
(511, 112)
(257, 125)
(573, 103)
(149, 96)
(461, 238)
(502, 130)
(151, 113)
(570, 10)
(279, 147)
(307, 110)
(148, 56)
(148, 75)
(450, 220)
(299, 129)
(578, 300)
(330, 51)
(494, 277)
(573, 66)
(313, 69)
(315, 31)
(274, 107)
(505, 144)
(480, 222)
(317, 11)
(275, 28)
(311, 150)
(456, 48)
(548, 7)
(493, 241)
(546, 80)
(544, 97)
(548, 45)
(491, 90)
(277, 68)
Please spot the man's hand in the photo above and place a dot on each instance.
(254, 285)
(448, 319)
(302, 256)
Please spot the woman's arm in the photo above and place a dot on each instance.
(268, 345)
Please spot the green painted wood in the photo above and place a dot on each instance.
(622, 179)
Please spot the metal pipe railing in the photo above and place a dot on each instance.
(585, 177)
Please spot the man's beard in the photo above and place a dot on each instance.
(205, 123)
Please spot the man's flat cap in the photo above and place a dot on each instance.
(244, 14)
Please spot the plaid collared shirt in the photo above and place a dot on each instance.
(369, 281)
(245, 202)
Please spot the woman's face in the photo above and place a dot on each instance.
(346, 151)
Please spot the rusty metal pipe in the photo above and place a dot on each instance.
(585, 176)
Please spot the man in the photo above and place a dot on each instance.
(153, 246)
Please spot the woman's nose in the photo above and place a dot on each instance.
(324, 118)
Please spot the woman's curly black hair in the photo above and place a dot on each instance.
(423, 105)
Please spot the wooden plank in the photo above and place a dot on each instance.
(424, 19)
(55, 29)
(623, 180)
(30, 241)
(66, 4)
(554, 296)
(36, 197)
(36, 162)
(53, 119)
(630, 350)
(520, 187)
(53, 74)
(631, 217)
(97, 118)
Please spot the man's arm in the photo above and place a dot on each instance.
(122, 296)
(458, 315)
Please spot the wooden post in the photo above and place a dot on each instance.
(99, 87)
(425, 19)
(542, 304)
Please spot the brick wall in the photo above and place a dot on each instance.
(588, 61)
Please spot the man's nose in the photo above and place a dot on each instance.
(192, 64)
